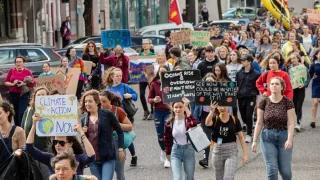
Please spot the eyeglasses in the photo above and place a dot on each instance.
(62, 143)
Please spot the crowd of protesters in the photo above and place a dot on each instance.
(261, 57)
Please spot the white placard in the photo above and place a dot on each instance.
(59, 114)
(198, 138)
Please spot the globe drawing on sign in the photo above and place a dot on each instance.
(45, 126)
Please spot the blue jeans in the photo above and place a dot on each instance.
(182, 154)
(119, 165)
(103, 170)
(275, 156)
(159, 121)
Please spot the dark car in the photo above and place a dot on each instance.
(35, 54)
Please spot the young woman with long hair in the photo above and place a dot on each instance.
(226, 129)
(112, 103)
(90, 53)
(113, 82)
(99, 125)
(161, 110)
(314, 72)
(176, 143)
(276, 119)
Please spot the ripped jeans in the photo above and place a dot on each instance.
(160, 119)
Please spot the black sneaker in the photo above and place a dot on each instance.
(313, 124)
(145, 116)
(204, 163)
(133, 161)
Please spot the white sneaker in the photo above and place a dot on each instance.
(162, 156)
(167, 163)
(298, 127)
(248, 139)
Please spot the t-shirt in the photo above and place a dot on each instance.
(226, 131)
(275, 115)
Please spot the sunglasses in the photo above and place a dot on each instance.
(62, 143)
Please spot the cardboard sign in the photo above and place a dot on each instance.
(59, 114)
(87, 67)
(224, 93)
(72, 80)
(298, 76)
(58, 70)
(181, 37)
(200, 38)
(112, 38)
(313, 16)
(137, 67)
(56, 82)
(178, 84)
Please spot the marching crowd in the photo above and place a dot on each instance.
(261, 57)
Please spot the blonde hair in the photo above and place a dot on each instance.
(107, 78)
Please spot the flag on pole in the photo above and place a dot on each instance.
(174, 12)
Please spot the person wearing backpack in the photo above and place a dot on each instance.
(226, 130)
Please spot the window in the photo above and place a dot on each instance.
(7, 56)
(150, 33)
(32, 55)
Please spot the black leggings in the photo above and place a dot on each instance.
(142, 90)
(298, 99)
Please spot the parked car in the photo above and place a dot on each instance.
(241, 12)
(223, 24)
(161, 29)
(36, 55)
(84, 40)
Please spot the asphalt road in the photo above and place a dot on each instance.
(306, 156)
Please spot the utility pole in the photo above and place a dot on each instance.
(58, 24)
(50, 30)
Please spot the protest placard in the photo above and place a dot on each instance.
(59, 115)
(56, 82)
(112, 38)
(87, 67)
(224, 93)
(137, 66)
(200, 38)
(298, 76)
(72, 80)
(180, 37)
(313, 16)
(178, 84)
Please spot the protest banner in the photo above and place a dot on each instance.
(180, 37)
(59, 115)
(56, 82)
(72, 80)
(87, 67)
(298, 76)
(137, 67)
(58, 70)
(112, 38)
(313, 16)
(224, 93)
(178, 84)
(200, 38)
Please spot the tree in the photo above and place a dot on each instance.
(219, 9)
(87, 16)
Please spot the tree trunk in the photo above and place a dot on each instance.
(87, 16)
(219, 9)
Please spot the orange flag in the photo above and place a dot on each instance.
(174, 12)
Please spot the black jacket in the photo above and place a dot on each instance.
(206, 66)
(107, 123)
(246, 82)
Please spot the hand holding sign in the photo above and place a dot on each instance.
(213, 105)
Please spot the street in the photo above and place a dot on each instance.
(305, 166)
